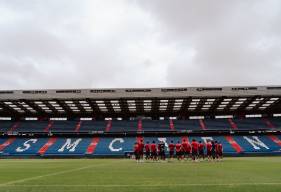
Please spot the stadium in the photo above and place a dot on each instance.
(83, 124)
(140, 96)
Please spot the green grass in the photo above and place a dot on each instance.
(85, 175)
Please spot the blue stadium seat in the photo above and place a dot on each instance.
(6, 125)
(124, 126)
(192, 124)
(156, 125)
(276, 122)
(118, 146)
(88, 126)
(217, 124)
(32, 126)
(250, 123)
(64, 126)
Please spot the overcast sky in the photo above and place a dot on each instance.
(139, 43)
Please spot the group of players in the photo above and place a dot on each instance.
(180, 150)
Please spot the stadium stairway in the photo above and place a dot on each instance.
(119, 146)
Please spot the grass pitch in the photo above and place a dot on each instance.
(255, 174)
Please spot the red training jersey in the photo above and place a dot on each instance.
(141, 146)
(178, 147)
(171, 147)
(220, 147)
(209, 146)
(136, 148)
(194, 145)
(201, 146)
(217, 147)
(184, 145)
(147, 147)
(153, 147)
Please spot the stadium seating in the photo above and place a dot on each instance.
(123, 126)
(155, 125)
(217, 124)
(275, 121)
(113, 126)
(6, 126)
(187, 125)
(32, 126)
(63, 126)
(118, 146)
(250, 123)
(89, 126)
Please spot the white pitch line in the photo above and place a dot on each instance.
(48, 175)
(149, 185)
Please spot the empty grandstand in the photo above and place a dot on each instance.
(106, 122)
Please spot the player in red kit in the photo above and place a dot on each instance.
(147, 150)
(136, 152)
(153, 149)
(201, 148)
(159, 150)
(209, 150)
(179, 150)
(217, 150)
(194, 149)
(220, 150)
(184, 145)
(172, 149)
(141, 148)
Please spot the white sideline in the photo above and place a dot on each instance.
(148, 185)
(47, 175)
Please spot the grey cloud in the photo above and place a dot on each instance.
(71, 44)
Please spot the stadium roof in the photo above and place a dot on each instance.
(154, 102)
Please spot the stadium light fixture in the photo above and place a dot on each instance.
(196, 100)
(101, 104)
(83, 102)
(99, 101)
(239, 102)
(252, 105)
(227, 99)
(179, 100)
(194, 103)
(242, 99)
(260, 99)
(225, 102)
(147, 101)
(274, 98)
(192, 106)
(209, 103)
(68, 102)
(206, 106)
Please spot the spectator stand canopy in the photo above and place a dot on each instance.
(181, 102)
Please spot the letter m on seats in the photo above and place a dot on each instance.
(69, 145)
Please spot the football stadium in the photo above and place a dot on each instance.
(83, 139)
(140, 96)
